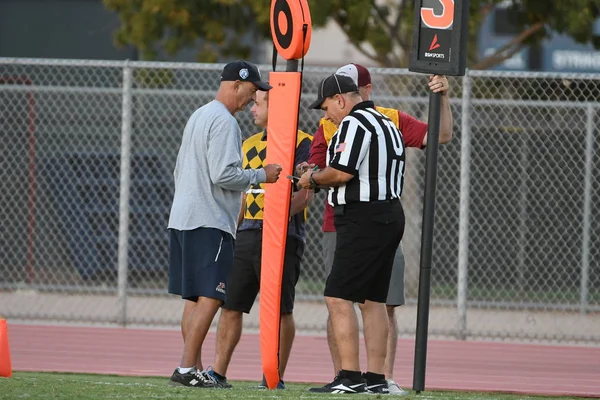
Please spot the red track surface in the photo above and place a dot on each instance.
(452, 365)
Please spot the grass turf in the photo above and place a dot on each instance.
(29, 385)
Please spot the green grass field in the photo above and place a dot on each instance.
(25, 385)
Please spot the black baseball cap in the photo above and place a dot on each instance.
(245, 71)
(332, 85)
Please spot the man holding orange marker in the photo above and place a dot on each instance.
(244, 281)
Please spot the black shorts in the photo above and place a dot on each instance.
(199, 263)
(368, 235)
(244, 281)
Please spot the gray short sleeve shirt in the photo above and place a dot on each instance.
(209, 179)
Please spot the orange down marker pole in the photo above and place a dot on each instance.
(281, 144)
(291, 31)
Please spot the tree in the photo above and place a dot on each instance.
(155, 26)
(379, 29)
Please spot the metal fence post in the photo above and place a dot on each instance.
(125, 184)
(587, 208)
(463, 219)
(524, 194)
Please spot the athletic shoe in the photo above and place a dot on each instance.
(192, 378)
(328, 385)
(341, 385)
(216, 382)
(394, 388)
(263, 384)
(376, 386)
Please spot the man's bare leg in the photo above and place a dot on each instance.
(196, 329)
(229, 332)
(328, 246)
(392, 343)
(375, 325)
(185, 318)
(333, 349)
(287, 333)
(345, 330)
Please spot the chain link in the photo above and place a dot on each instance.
(529, 269)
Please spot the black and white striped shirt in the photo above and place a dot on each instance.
(368, 145)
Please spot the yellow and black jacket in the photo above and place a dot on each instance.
(254, 153)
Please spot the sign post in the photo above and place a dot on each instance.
(439, 48)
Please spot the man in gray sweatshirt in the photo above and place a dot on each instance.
(209, 181)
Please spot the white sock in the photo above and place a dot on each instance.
(184, 370)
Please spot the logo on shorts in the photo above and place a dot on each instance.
(220, 287)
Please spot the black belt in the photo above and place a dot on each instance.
(341, 209)
(391, 201)
(359, 203)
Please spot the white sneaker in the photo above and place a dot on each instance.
(395, 389)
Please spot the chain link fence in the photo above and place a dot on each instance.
(88, 149)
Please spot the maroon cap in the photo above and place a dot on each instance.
(359, 74)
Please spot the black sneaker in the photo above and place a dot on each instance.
(337, 377)
(216, 382)
(376, 386)
(263, 384)
(341, 385)
(192, 378)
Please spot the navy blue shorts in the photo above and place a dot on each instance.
(199, 263)
(244, 281)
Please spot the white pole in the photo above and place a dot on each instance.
(587, 208)
(125, 180)
(463, 220)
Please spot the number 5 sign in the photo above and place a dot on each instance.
(440, 37)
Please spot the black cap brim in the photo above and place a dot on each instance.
(317, 104)
(263, 86)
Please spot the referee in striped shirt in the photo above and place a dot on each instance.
(366, 160)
